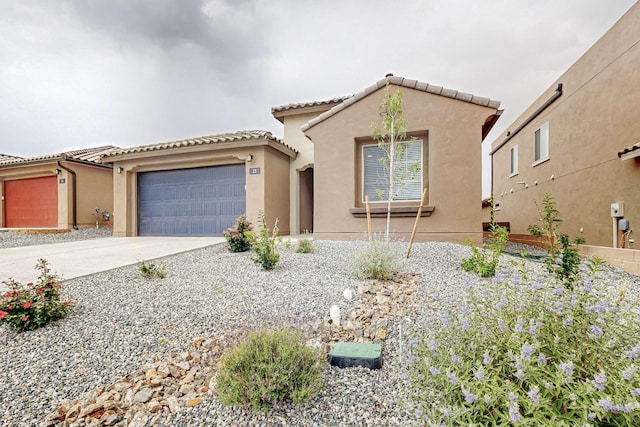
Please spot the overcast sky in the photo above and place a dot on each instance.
(86, 73)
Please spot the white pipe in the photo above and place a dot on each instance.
(615, 232)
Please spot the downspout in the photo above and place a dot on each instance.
(73, 195)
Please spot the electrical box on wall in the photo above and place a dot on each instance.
(617, 210)
(623, 224)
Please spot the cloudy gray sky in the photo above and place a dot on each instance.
(83, 73)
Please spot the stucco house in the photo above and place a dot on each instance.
(199, 186)
(579, 142)
(55, 191)
(448, 126)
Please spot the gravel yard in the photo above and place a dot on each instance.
(123, 321)
(10, 239)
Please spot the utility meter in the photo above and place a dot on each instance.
(617, 210)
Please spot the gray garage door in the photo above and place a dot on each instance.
(190, 202)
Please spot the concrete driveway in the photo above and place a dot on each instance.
(81, 258)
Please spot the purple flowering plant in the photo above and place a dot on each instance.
(523, 349)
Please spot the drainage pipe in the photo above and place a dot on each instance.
(74, 194)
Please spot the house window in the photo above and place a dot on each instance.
(513, 170)
(541, 143)
(407, 185)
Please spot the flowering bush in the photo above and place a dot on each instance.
(268, 367)
(25, 308)
(239, 237)
(527, 350)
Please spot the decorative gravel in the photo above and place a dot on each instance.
(122, 321)
(9, 239)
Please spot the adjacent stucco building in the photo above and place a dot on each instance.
(579, 142)
(448, 127)
(199, 186)
(56, 191)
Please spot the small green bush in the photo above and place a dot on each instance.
(25, 308)
(564, 256)
(305, 246)
(150, 270)
(528, 351)
(379, 259)
(239, 237)
(270, 366)
(265, 246)
(484, 261)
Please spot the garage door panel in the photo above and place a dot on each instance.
(190, 202)
(31, 203)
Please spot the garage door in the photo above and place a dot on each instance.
(31, 203)
(190, 202)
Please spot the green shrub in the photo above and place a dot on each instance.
(305, 246)
(564, 257)
(484, 261)
(151, 271)
(528, 351)
(379, 259)
(239, 237)
(269, 366)
(25, 308)
(265, 246)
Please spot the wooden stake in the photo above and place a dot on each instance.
(366, 200)
(415, 225)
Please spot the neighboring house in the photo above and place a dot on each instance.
(199, 186)
(579, 142)
(56, 191)
(293, 117)
(449, 127)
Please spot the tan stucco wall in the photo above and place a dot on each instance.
(94, 188)
(594, 119)
(125, 183)
(453, 170)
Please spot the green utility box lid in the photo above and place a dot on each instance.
(347, 354)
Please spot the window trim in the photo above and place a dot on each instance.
(513, 172)
(359, 196)
(543, 130)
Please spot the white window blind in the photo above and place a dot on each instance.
(376, 175)
(542, 142)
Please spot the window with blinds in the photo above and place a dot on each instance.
(375, 179)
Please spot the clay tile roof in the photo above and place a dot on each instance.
(6, 158)
(91, 155)
(408, 83)
(299, 105)
(627, 150)
(202, 140)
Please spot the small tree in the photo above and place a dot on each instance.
(391, 139)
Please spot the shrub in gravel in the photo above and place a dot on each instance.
(269, 366)
(265, 246)
(484, 261)
(239, 237)
(27, 307)
(378, 259)
(305, 246)
(528, 351)
(151, 270)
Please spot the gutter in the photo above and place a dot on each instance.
(547, 103)
(73, 195)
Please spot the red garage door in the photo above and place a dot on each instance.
(31, 203)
